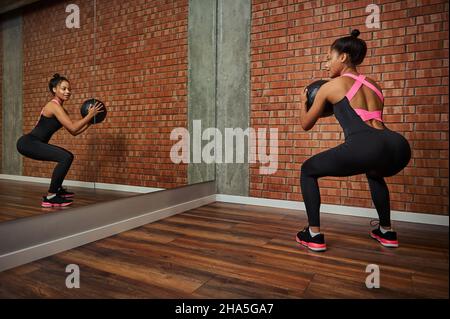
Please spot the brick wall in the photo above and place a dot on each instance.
(408, 56)
(139, 71)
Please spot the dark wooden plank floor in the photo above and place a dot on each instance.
(237, 251)
(23, 199)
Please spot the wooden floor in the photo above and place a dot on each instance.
(238, 251)
(23, 199)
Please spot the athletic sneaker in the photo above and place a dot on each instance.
(64, 193)
(55, 201)
(316, 243)
(388, 239)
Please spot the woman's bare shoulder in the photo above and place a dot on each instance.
(339, 81)
(335, 89)
(372, 81)
(50, 108)
(343, 80)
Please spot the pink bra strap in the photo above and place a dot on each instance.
(42, 112)
(57, 101)
(373, 88)
(369, 115)
(355, 87)
(361, 79)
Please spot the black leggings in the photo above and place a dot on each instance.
(375, 154)
(30, 146)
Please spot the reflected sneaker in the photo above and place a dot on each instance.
(55, 201)
(316, 243)
(64, 193)
(388, 239)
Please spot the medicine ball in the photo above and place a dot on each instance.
(85, 110)
(313, 88)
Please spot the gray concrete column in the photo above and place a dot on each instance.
(12, 97)
(233, 87)
(201, 80)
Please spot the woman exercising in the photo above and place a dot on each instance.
(35, 144)
(370, 147)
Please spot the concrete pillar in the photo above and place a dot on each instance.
(233, 87)
(201, 79)
(12, 96)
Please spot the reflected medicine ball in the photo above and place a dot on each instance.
(85, 110)
(313, 88)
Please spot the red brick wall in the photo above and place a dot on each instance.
(408, 56)
(140, 72)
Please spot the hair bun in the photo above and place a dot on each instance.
(56, 75)
(355, 33)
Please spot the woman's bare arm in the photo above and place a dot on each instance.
(72, 126)
(309, 118)
(84, 128)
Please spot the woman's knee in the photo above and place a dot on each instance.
(307, 168)
(68, 158)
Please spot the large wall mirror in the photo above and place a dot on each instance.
(155, 78)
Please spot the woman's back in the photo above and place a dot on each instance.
(365, 98)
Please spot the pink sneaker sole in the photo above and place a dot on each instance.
(47, 205)
(312, 246)
(385, 242)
